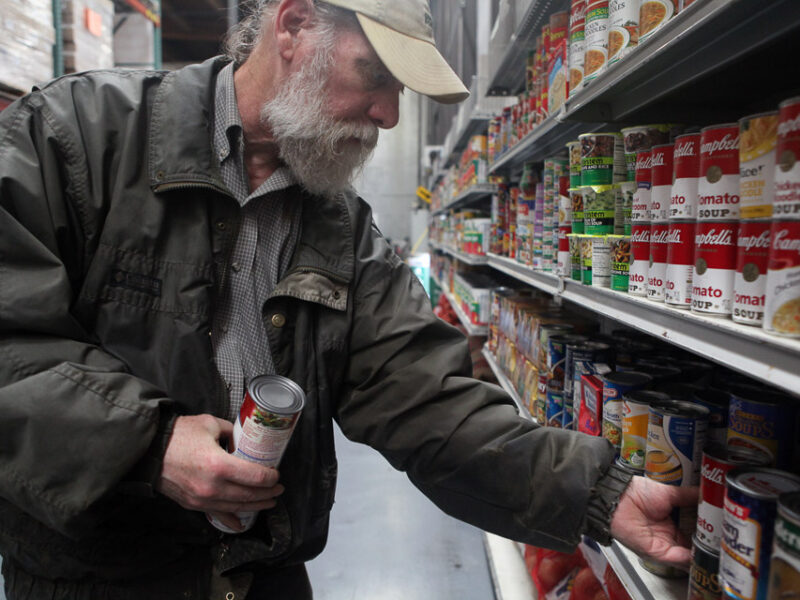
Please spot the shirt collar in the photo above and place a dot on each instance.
(227, 120)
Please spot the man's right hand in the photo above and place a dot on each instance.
(200, 475)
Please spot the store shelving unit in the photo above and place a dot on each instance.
(506, 384)
(471, 328)
(469, 259)
(469, 197)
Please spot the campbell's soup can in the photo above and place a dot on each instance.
(641, 138)
(718, 188)
(761, 424)
(634, 419)
(577, 52)
(784, 569)
(623, 29)
(704, 573)
(686, 177)
(782, 310)
(748, 523)
(714, 268)
(680, 264)
(657, 270)
(750, 281)
(786, 202)
(270, 410)
(640, 259)
(758, 136)
(653, 15)
(661, 167)
(640, 211)
(595, 40)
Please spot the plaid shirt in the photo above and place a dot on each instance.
(270, 223)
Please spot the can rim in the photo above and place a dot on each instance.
(734, 477)
(789, 101)
(719, 126)
(685, 135)
(681, 408)
(789, 503)
(611, 133)
(662, 146)
(766, 113)
(297, 395)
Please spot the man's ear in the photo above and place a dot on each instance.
(291, 17)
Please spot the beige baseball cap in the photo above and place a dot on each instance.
(401, 32)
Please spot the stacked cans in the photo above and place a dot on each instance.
(661, 158)
(640, 227)
(682, 221)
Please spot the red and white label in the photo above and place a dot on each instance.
(750, 282)
(718, 188)
(786, 203)
(714, 268)
(657, 271)
(661, 179)
(640, 259)
(563, 240)
(640, 211)
(680, 264)
(686, 177)
(782, 311)
(712, 499)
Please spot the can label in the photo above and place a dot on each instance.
(674, 448)
(554, 414)
(704, 583)
(620, 250)
(640, 259)
(577, 50)
(575, 256)
(565, 211)
(596, 40)
(712, 497)
(686, 175)
(786, 204)
(714, 268)
(718, 188)
(574, 153)
(757, 138)
(750, 281)
(661, 168)
(640, 210)
(657, 271)
(653, 15)
(586, 259)
(782, 311)
(600, 153)
(680, 264)
(598, 215)
(625, 192)
(762, 430)
(640, 139)
(635, 419)
(784, 571)
(623, 30)
(601, 262)
(614, 413)
(576, 196)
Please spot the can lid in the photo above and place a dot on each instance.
(645, 396)
(789, 505)
(681, 408)
(759, 395)
(277, 394)
(628, 378)
(719, 126)
(722, 453)
(593, 134)
(695, 134)
(702, 549)
(662, 146)
(762, 482)
(769, 113)
(789, 102)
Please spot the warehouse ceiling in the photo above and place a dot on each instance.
(192, 30)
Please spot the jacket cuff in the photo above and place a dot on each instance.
(143, 478)
(603, 502)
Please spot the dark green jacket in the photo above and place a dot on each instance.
(112, 217)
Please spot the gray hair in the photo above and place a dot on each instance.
(245, 35)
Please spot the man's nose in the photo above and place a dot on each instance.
(385, 108)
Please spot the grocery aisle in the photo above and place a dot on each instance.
(388, 541)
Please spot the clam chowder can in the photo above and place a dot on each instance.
(657, 268)
(640, 210)
(718, 188)
(786, 202)
(714, 268)
(640, 259)
(686, 177)
(750, 281)
(757, 139)
(782, 304)
(680, 264)
(661, 170)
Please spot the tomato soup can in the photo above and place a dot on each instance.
(640, 259)
(680, 264)
(598, 213)
(270, 411)
(758, 136)
(676, 434)
(686, 177)
(714, 268)
(717, 402)
(786, 202)
(623, 29)
(653, 15)
(641, 138)
(661, 168)
(640, 210)
(625, 193)
(601, 157)
(620, 253)
(750, 281)
(576, 199)
(762, 424)
(595, 40)
(704, 573)
(718, 188)
(748, 521)
(784, 570)
(782, 304)
(657, 270)
(634, 419)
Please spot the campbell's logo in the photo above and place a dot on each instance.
(749, 242)
(657, 160)
(684, 149)
(788, 126)
(713, 474)
(723, 237)
(728, 142)
(783, 241)
(642, 164)
(641, 236)
(659, 237)
(675, 237)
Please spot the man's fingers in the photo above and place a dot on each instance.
(685, 496)
(677, 556)
(230, 520)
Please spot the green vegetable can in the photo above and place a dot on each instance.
(575, 256)
(602, 158)
(624, 207)
(574, 152)
(599, 207)
(586, 259)
(576, 197)
(620, 250)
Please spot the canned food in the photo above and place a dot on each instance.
(642, 138)
(761, 424)
(574, 157)
(615, 385)
(640, 259)
(496, 296)
(784, 570)
(598, 205)
(601, 261)
(758, 136)
(574, 256)
(554, 415)
(565, 210)
(704, 573)
(584, 358)
(714, 268)
(586, 259)
(686, 175)
(640, 209)
(676, 434)
(633, 422)
(782, 303)
(577, 51)
(625, 192)
(564, 261)
(657, 271)
(717, 402)
(662, 373)
(750, 280)
(661, 170)
(601, 157)
(576, 198)
(620, 252)
(680, 264)
(270, 410)
(747, 528)
(653, 15)
(786, 203)
(595, 40)
(557, 354)
(546, 331)
(623, 29)
(718, 188)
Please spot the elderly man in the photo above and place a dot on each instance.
(166, 237)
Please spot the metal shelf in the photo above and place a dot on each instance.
(544, 281)
(507, 567)
(470, 259)
(475, 124)
(506, 384)
(639, 583)
(476, 330)
(469, 196)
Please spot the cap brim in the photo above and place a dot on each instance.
(415, 63)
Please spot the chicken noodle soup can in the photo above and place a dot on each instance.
(784, 570)
(640, 259)
(623, 28)
(786, 203)
(653, 15)
(704, 581)
(750, 281)
(576, 199)
(686, 177)
(761, 424)
(718, 187)
(680, 264)
(782, 303)
(757, 139)
(270, 411)
(619, 247)
(598, 205)
(601, 157)
(657, 269)
(640, 210)
(595, 40)
(714, 268)
(634, 422)
(577, 51)
(748, 522)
